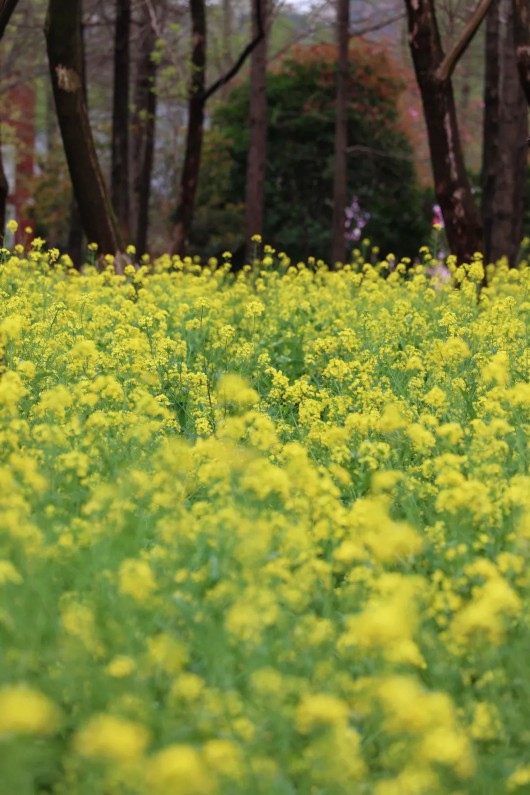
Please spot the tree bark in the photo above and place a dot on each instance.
(74, 245)
(197, 98)
(194, 137)
(119, 190)
(522, 42)
(340, 185)
(227, 58)
(505, 134)
(4, 193)
(453, 192)
(5, 15)
(143, 129)
(75, 227)
(64, 46)
(255, 175)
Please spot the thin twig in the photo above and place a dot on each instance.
(369, 150)
(374, 26)
(234, 69)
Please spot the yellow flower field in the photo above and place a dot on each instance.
(264, 534)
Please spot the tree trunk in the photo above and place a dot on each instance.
(64, 46)
(522, 42)
(505, 134)
(4, 193)
(255, 176)
(194, 136)
(227, 58)
(452, 188)
(75, 235)
(120, 118)
(340, 186)
(198, 96)
(75, 227)
(5, 14)
(143, 129)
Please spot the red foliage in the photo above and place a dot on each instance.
(377, 79)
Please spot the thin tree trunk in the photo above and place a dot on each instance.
(522, 42)
(340, 186)
(4, 193)
(505, 134)
(255, 176)
(74, 245)
(120, 118)
(143, 129)
(63, 40)
(6, 12)
(452, 188)
(194, 137)
(227, 58)
(75, 227)
(198, 96)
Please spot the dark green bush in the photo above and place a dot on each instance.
(300, 154)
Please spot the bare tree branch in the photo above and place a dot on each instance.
(154, 19)
(26, 79)
(369, 150)
(303, 34)
(371, 27)
(446, 68)
(234, 69)
(367, 27)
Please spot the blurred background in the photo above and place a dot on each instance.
(265, 136)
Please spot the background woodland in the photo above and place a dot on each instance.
(192, 127)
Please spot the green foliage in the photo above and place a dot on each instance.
(52, 196)
(253, 545)
(219, 220)
(300, 157)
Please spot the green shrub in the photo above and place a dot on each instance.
(300, 158)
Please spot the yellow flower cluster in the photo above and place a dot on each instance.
(263, 533)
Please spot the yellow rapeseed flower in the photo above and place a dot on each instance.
(24, 710)
(179, 770)
(110, 737)
(320, 709)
